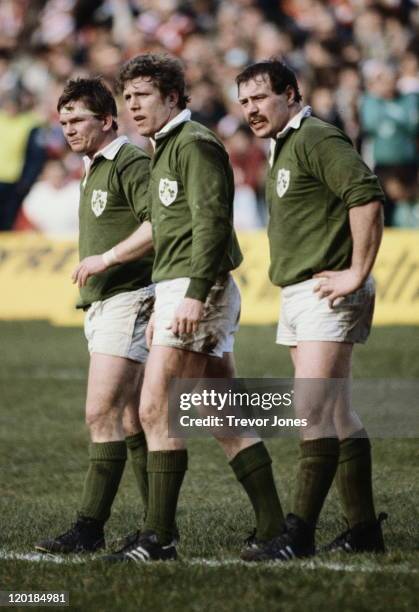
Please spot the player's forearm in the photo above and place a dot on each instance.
(208, 249)
(208, 183)
(138, 244)
(211, 234)
(366, 223)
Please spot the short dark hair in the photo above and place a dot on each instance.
(95, 95)
(165, 72)
(279, 74)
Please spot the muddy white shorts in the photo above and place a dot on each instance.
(116, 326)
(303, 316)
(215, 334)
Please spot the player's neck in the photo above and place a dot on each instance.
(102, 144)
(296, 108)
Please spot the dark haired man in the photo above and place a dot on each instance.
(325, 229)
(197, 302)
(118, 304)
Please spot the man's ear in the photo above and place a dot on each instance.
(173, 98)
(290, 91)
(107, 122)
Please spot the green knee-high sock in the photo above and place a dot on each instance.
(137, 450)
(106, 465)
(166, 470)
(316, 470)
(354, 478)
(253, 469)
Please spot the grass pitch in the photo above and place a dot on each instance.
(43, 459)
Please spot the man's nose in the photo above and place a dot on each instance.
(134, 103)
(252, 108)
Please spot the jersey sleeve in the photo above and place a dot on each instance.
(134, 180)
(334, 161)
(204, 169)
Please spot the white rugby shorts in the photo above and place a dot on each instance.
(215, 334)
(116, 326)
(303, 316)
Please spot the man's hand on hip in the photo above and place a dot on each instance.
(88, 267)
(187, 317)
(337, 284)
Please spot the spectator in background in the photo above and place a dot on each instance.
(206, 106)
(51, 206)
(45, 42)
(248, 162)
(324, 107)
(391, 120)
(369, 33)
(408, 82)
(347, 101)
(22, 152)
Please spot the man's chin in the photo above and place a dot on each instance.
(261, 132)
(144, 132)
(77, 148)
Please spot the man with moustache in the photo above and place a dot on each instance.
(324, 231)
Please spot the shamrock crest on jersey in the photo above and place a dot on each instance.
(282, 181)
(99, 199)
(167, 191)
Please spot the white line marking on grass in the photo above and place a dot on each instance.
(335, 566)
(310, 565)
(39, 557)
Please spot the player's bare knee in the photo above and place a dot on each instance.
(150, 414)
(104, 417)
(131, 422)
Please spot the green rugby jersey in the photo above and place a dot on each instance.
(113, 203)
(315, 177)
(191, 193)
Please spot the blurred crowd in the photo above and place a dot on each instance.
(357, 63)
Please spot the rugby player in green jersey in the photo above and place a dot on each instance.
(118, 305)
(197, 302)
(324, 232)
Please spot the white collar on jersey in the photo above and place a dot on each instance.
(182, 117)
(109, 152)
(293, 124)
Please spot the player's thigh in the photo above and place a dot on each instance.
(293, 355)
(320, 359)
(113, 383)
(165, 363)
